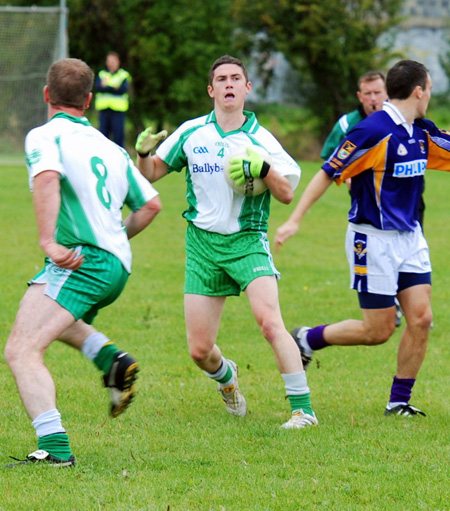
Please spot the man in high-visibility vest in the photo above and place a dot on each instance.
(112, 100)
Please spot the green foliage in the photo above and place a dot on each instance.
(439, 110)
(176, 448)
(168, 48)
(294, 126)
(329, 42)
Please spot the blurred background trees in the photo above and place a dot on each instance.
(168, 48)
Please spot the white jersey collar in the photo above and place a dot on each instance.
(399, 119)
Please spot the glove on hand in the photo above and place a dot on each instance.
(146, 141)
(243, 168)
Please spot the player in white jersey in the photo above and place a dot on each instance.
(80, 181)
(227, 250)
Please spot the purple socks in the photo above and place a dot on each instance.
(401, 390)
(315, 339)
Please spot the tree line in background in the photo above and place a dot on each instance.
(168, 47)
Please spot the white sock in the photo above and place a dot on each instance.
(222, 371)
(295, 383)
(48, 423)
(93, 344)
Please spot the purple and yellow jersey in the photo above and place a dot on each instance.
(386, 159)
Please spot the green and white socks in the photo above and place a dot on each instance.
(98, 348)
(52, 437)
(298, 392)
(224, 375)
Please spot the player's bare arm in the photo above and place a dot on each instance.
(47, 201)
(315, 189)
(279, 186)
(138, 220)
(152, 167)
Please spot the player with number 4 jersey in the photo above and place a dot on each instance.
(227, 250)
(202, 146)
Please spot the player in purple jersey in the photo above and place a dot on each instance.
(386, 156)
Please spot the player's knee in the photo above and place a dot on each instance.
(422, 320)
(427, 320)
(380, 335)
(198, 353)
(12, 352)
(270, 329)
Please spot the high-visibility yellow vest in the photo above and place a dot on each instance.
(117, 102)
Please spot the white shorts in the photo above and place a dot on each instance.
(377, 257)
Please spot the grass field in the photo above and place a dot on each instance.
(176, 449)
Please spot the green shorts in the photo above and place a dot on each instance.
(225, 264)
(98, 282)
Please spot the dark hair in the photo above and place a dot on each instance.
(69, 83)
(371, 76)
(226, 59)
(404, 77)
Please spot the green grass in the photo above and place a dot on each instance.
(176, 448)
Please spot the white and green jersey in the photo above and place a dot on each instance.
(97, 178)
(200, 146)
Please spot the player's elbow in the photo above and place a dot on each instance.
(285, 196)
(145, 215)
(289, 197)
(153, 207)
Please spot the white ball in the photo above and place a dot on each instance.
(253, 185)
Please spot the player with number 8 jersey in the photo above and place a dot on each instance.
(95, 183)
(80, 181)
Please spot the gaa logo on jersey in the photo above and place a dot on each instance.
(346, 150)
(200, 150)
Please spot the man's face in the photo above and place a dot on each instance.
(425, 99)
(112, 63)
(229, 87)
(372, 95)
